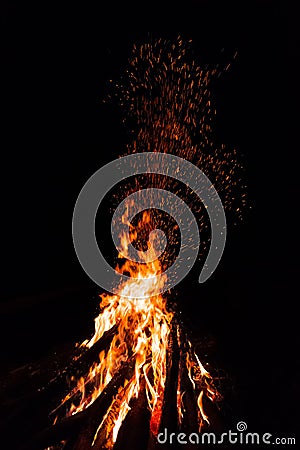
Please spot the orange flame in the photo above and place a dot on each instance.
(143, 330)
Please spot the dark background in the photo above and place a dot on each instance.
(57, 61)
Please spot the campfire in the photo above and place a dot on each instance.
(139, 373)
(142, 354)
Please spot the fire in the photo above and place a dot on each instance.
(170, 99)
(143, 331)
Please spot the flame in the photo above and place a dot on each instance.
(170, 98)
(143, 331)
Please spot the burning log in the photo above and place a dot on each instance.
(88, 357)
(213, 413)
(83, 424)
(135, 429)
(35, 405)
(80, 365)
(169, 416)
(188, 402)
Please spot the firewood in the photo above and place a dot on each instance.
(88, 419)
(134, 432)
(169, 410)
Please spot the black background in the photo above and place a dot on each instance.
(56, 61)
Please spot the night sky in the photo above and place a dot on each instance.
(56, 132)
